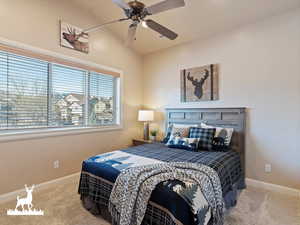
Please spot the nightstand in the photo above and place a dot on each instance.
(137, 142)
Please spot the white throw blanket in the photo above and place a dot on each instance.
(133, 187)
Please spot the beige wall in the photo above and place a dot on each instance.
(36, 23)
(260, 70)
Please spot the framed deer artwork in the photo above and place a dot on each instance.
(200, 84)
(73, 37)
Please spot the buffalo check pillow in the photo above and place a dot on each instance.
(205, 135)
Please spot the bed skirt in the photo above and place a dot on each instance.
(155, 215)
(97, 203)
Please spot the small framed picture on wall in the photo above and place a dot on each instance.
(200, 84)
(73, 37)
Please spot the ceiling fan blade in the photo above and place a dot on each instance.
(164, 6)
(131, 34)
(121, 4)
(161, 29)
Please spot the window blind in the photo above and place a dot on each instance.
(41, 94)
(3, 90)
(55, 60)
(68, 101)
(25, 92)
(101, 99)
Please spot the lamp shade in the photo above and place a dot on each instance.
(146, 115)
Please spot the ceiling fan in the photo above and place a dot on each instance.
(137, 12)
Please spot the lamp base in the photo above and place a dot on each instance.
(146, 131)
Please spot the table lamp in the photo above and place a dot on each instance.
(146, 116)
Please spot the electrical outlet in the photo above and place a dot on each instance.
(268, 168)
(56, 164)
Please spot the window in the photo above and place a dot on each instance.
(68, 96)
(101, 99)
(41, 94)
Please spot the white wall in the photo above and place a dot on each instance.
(260, 70)
(36, 23)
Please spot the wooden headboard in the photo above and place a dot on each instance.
(221, 117)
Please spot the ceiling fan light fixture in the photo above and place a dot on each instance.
(144, 24)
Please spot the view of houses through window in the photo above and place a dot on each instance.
(38, 94)
(101, 99)
(68, 91)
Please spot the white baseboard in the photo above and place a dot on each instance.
(12, 195)
(273, 187)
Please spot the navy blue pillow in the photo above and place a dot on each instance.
(168, 134)
(219, 145)
(183, 143)
(193, 149)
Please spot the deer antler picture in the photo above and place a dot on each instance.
(74, 38)
(199, 84)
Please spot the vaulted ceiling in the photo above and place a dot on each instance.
(198, 19)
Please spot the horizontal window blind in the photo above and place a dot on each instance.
(3, 91)
(25, 92)
(101, 99)
(40, 94)
(56, 60)
(68, 96)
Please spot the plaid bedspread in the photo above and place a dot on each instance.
(97, 180)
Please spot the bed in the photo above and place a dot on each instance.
(167, 207)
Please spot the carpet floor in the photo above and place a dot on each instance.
(62, 206)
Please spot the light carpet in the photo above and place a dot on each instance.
(62, 206)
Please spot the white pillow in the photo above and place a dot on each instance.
(222, 132)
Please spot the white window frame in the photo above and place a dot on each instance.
(12, 135)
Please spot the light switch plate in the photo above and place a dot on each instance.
(268, 168)
(56, 164)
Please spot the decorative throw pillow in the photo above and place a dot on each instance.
(181, 130)
(219, 145)
(205, 135)
(183, 143)
(221, 132)
(168, 134)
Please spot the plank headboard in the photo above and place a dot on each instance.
(221, 117)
